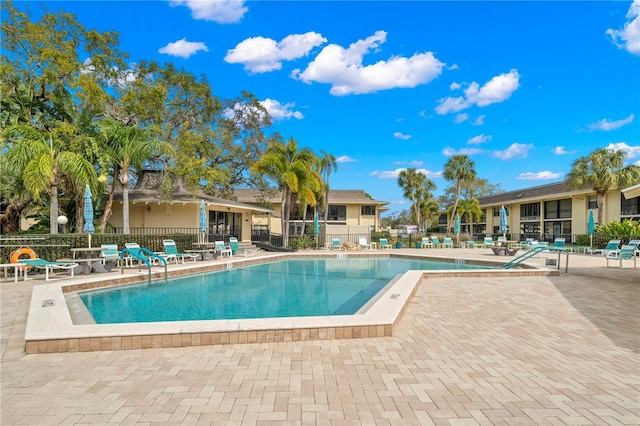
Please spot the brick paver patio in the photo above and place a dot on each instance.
(539, 350)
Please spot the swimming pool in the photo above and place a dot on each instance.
(286, 288)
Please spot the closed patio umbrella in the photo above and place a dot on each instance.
(591, 228)
(457, 227)
(88, 213)
(503, 221)
(203, 220)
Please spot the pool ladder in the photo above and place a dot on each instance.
(144, 255)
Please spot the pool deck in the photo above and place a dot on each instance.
(533, 350)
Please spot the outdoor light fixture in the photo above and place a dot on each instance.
(62, 221)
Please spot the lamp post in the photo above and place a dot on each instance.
(62, 221)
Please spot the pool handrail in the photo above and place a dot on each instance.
(143, 254)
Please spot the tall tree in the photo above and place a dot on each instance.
(602, 170)
(42, 162)
(290, 168)
(327, 166)
(459, 169)
(411, 182)
(129, 149)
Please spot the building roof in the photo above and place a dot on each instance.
(631, 192)
(336, 196)
(148, 190)
(532, 193)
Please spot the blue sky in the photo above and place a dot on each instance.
(523, 88)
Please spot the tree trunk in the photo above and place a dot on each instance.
(54, 208)
(600, 200)
(107, 208)
(10, 220)
(125, 210)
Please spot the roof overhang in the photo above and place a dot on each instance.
(631, 192)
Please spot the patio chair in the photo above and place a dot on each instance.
(447, 243)
(384, 244)
(170, 249)
(220, 247)
(488, 242)
(236, 249)
(336, 244)
(110, 256)
(362, 242)
(133, 252)
(426, 243)
(626, 252)
(526, 244)
(436, 242)
(470, 244)
(612, 246)
(48, 266)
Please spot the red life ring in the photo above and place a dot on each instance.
(23, 251)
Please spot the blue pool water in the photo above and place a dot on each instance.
(286, 288)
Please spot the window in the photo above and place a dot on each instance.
(530, 211)
(368, 210)
(629, 207)
(337, 212)
(592, 202)
(496, 211)
(557, 209)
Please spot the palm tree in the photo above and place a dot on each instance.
(411, 182)
(472, 209)
(293, 171)
(460, 169)
(128, 149)
(603, 170)
(42, 161)
(327, 165)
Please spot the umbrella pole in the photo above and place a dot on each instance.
(89, 240)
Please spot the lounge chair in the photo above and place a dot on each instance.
(170, 249)
(626, 252)
(612, 246)
(384, 243)
(133, 252)
(362, 242)
(220, 247)
(426, 243)
(470, 244)
(436, 242)
(110, 255)
(336, 244)
(49, 267)
(236, 249)
(448, 242)
(488, 242)
(526, 244)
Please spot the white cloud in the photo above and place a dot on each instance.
(345, 71)
(425, 115)
(399, 135)
(559, 150)
(260, 54)
(516, 150)
(629, 36)
(479, 139)
(183, 48)
(393, 174)
(479, 121)
(455, 86)
(637, 163)
(496, 90)
(279, 111)
(220, 11)
(345, 159)
(631, 151)
(449, 152)
(545, 175)
(607, 125)
(461, 118)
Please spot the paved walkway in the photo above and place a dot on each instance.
(539, 350)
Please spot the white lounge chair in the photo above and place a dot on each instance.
(222, 249)
(626, 252)
(362, 242)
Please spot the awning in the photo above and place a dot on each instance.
(631, 192)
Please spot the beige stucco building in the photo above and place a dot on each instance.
(552, 210)
(349, 212)
(149, 212)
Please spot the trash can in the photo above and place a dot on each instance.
(418, 245)
(398, 244)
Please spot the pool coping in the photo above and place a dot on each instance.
(50, 328)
